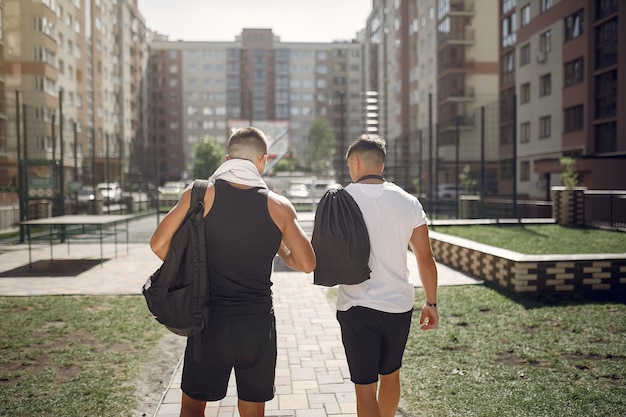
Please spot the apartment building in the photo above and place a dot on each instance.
(433, 70)
(206, 88)
(72, 72)
(561, 66)
(6, 169)
(467, 74)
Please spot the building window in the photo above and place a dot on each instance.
(507, 68)
(545, 42)
(605, 8)
(173, 54)
(507, 6)
(574, 25)
(573, 118)
(545, 127)
(524, 132)
(506, 135)
(606, 137)
(525, 55)
(545, 85)
(506, 169)
(546, 5)
(509, 36)
(526, 15)
(606, 44)
(524, 93)
(524, 171)
(574, 72)
(606, 94)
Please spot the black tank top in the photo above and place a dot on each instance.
(242, 241)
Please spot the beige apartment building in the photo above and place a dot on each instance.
(434, 64)
(72, 71)
(203, 89)
(562, 71)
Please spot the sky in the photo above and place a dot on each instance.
(222, 20)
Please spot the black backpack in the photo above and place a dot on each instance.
(340, 241)
(177, 293)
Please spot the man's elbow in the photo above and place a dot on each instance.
(158, 248)
(309, 266)
(306, 264)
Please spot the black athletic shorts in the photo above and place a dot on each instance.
(374, 341)
(246, 344)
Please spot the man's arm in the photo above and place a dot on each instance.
(295, 249)
(162, 237)
(420, 245)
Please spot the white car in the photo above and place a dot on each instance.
(87, 195)
(298, 190)
(172, 189)
(449, 191)
(320, 187)
(110, 191)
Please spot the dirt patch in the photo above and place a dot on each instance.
(156, 373)
(55, 268)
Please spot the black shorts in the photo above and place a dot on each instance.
(246, 344)
(374, 341)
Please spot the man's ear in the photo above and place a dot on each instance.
(227, 157)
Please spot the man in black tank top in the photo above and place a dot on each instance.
(246, 225)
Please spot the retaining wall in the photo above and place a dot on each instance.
(531, 273)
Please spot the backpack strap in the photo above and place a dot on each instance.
(199, 263)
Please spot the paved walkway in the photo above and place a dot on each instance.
(312, 376)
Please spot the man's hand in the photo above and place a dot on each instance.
(429, 318)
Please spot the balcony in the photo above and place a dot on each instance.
(457, 37)
(462, 8)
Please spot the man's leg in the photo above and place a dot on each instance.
(250, 409)
(191, 407)
(366, 404)
(389, 394)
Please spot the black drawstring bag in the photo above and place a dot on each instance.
(340, 240)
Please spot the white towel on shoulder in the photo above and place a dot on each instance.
(239, 171)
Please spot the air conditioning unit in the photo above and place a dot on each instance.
(541, 57)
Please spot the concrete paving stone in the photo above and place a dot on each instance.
(313, 363)
(304, 385)
(293, 402)
(311, 413)
(329, 379)
(302, 374)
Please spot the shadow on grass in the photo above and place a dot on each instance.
(539, 300)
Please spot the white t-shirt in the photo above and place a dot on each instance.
(390, 214)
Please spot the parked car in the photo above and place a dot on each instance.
(172, 189)
(320, 187)
(111, 191)
(449, 191)
(88, 194)
(298, 190)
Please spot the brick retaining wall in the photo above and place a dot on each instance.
(531, 273)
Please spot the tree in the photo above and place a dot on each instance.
(207, 156)
(569, 176)
(467, 182)
(285, 165)
(320, 150)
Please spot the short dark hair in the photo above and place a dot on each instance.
(247, 143)
(372, 144)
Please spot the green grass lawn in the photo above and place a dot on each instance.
(542, 238)
(72, 356)
(499, 355)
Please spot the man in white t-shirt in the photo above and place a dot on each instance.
(375, 315)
